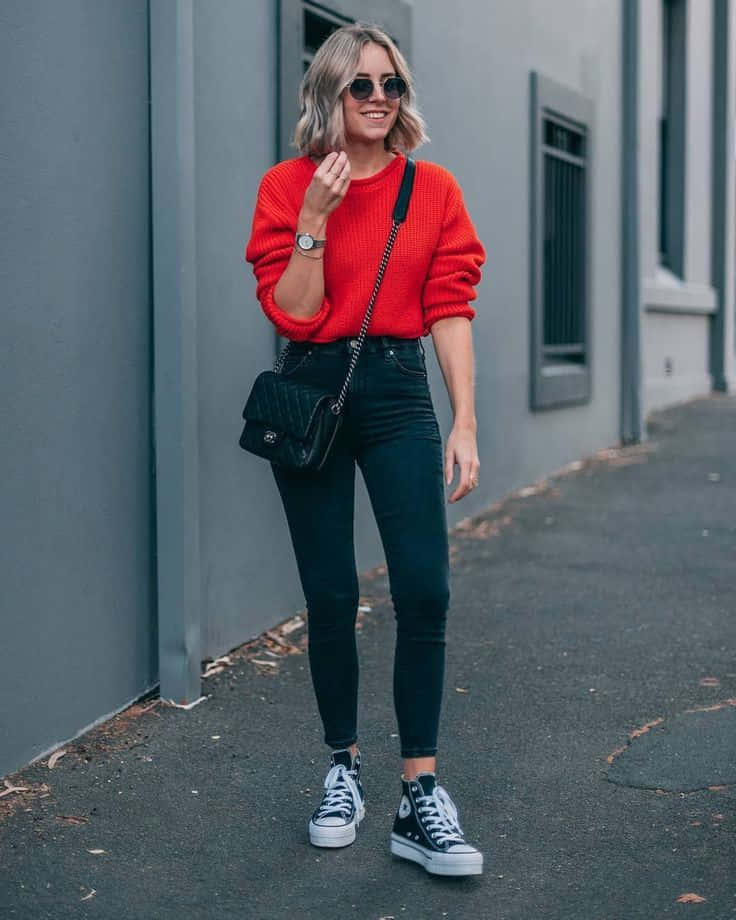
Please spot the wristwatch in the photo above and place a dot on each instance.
(305, 241)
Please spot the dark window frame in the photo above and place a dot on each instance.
(560, 373)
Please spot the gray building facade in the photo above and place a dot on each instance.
(594, 144)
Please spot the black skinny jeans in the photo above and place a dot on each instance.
(391, 431)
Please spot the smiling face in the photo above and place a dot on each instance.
(370, 120)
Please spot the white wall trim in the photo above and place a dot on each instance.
(665, 293)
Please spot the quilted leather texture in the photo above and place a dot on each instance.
(285, 404)
(289, 423)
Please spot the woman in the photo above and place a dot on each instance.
(319, 229)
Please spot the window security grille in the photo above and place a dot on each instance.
(560, 333)
(563, 306)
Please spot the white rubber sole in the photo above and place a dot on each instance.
(321, 836)
(437, 863)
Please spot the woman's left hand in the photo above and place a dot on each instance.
(461, 450)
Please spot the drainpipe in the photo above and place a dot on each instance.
(175, 347)
(632, 428)
(722, 252)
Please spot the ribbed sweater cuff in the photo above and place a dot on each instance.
(292, 327)
(441, 311)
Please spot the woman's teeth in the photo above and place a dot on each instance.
(374, 115)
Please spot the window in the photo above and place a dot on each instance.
(560, 333)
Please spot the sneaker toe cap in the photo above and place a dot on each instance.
(461, 848)
(330, 821)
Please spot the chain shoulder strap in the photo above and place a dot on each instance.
(399, 215)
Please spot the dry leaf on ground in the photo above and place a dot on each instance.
(54, 758)
(11, 788)
(690, 898)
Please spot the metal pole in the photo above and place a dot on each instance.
(175, 348)
(632, 428)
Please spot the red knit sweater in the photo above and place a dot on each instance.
(434, 265)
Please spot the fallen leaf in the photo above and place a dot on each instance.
(714, 707)
(219, 664)
(96, 852)
(92, 893)
(185, 705)
(645, 728)
(72, 819)
(690, 898)
(54, 758)
(461, 690)
(11, 788)
(709, 682)
(291, 625)
(271, 664)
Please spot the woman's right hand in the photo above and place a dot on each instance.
(329, 184)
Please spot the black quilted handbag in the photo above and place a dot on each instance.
(293, 424)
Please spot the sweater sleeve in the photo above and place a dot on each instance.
(454, 269)
(269, 250)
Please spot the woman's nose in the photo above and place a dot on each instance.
(378, 93)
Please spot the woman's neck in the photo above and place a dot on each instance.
(364, 162)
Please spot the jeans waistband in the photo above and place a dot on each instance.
(372, 343)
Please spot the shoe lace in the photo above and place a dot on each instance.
(341, 792)
(439, 815)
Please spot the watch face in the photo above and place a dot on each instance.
(305, 241)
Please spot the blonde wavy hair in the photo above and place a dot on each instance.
(321, 128)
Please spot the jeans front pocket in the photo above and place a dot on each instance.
(409, 363)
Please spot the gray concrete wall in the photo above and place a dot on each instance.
(78, 626)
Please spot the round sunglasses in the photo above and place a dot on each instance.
(361, 88)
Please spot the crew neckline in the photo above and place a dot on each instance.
(368, 180)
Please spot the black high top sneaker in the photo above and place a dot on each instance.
(427, 831)
(342, 808)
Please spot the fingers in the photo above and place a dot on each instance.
(333, 167)
(449, 466)
(468, 477)
(330, 182)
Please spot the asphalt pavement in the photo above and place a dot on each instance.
(588, 731)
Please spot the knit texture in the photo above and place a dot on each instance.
(433, 269)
